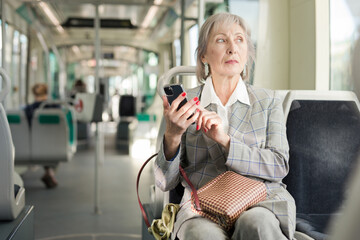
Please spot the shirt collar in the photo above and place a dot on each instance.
(209, 96)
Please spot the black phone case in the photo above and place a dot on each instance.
(172, 92)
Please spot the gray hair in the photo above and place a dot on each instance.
(216, 21)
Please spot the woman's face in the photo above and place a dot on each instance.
(226, 52)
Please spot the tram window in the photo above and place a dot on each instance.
(90, 83)
(14, 69)
(152, 81)
(177, 51)
(23, 67)
(193, 37)
(1, 42)
(249, 10)
(345, 44)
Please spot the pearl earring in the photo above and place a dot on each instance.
(244, 71)
(206, 65)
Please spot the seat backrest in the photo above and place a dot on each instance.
(50, 136)
(72, 125)
(89, 107)
(323, 133)
(12, 197)
(127, 106)
(20, 132)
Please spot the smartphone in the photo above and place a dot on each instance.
(172, 91)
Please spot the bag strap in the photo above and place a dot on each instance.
(193, 189)
(182, 172)
(137, 190)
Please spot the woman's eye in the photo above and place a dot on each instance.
(220, 40)
(239, 40)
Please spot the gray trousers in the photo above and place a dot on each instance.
(255, 223)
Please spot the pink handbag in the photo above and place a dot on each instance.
(221, 200)
(224, 198)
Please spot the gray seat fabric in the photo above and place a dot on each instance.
(324, 141)
(20, 132)
(50, 139)
(50, 136)
(12, 192)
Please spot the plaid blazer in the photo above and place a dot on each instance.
(258, 149)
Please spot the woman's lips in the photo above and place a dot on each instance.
(232, 61)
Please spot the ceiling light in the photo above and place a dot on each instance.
(51, 16)
(76, 50)
(151, 13)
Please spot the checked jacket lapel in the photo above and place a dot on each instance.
(239, 120)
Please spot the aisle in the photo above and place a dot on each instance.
(67, 212)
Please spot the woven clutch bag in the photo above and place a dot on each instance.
(223, 199)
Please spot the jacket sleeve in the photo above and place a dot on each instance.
(167, 174)
(268, 161)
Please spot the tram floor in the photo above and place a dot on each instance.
(68, 211)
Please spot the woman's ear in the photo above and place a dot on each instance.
(203, 59)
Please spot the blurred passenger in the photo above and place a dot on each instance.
(79, 87)
(238, 127)
(114, 106)
(40, 91)
(82, 128)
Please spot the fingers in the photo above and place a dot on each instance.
(186, 110)
(192, 119)
(185, 116)
(177, 102)
(207, 120)
(165, 102)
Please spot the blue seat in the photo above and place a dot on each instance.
(323, 133)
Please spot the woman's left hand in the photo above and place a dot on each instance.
(211, 124)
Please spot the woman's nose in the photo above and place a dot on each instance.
(231, 48)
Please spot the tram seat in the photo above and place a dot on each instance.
(53, 135)
(323, 131)
(127, 114)
(20, 132)
(12, 192)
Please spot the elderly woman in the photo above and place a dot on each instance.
(238, 127)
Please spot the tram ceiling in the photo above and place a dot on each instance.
(108, 38)
(133, 21)
(111, 53)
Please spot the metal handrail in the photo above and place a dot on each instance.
(166, 77)
(5, 84)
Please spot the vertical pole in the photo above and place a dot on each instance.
(201, 11)
(97, 48)
(62, 72)
(3, 33)
(3, 39)
(97, 131)
(47, 60)
(182, 39)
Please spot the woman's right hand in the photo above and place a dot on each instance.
(177, 122)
